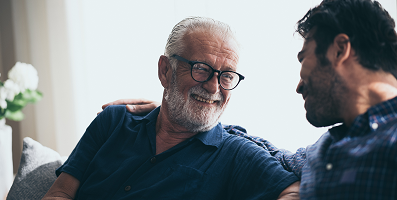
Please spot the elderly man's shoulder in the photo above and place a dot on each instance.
(119, 113)
(239, 131)
(115, 109)
(240, 143)
(119, 110)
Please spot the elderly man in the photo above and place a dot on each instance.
(179, 150)
(348, 76)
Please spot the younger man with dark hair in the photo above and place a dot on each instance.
(348, 76)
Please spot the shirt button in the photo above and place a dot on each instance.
(328, 166)
(374, 126)
(127, 188)
(153, 160)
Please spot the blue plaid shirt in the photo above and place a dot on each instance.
(357, 162)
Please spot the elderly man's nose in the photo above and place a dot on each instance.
(212, 86)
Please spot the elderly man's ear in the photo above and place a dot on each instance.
(164, 71)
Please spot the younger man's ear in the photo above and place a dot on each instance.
(164, 71)
(342, 48)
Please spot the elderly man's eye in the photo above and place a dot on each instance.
(201, 68)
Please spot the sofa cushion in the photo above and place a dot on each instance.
(36, 172)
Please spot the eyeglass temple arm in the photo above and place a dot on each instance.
(181, 59)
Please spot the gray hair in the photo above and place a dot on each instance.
(175, 43)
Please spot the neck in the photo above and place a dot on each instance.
(169, 134)
(378, 88)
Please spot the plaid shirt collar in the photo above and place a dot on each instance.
(375, 117)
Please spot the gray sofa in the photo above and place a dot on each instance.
(36, 172)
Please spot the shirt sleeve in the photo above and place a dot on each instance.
(94, 137)
(290, 161)
(256, 174)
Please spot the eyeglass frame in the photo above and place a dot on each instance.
(192, 63)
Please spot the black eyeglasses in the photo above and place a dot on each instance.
(202, 72)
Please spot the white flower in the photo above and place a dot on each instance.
(24, 75)
(3, 96)
(3, 93)
(3, 103)
(11, 89)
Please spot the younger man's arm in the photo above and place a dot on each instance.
(291, 192)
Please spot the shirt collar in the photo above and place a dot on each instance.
(383, 112)
(152, 116)
(375, 117)
(212, 137)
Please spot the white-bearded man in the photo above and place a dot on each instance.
(179, 150)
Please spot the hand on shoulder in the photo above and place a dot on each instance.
(135, 106)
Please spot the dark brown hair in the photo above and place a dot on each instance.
(369, 27)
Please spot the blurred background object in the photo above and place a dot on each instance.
(15, 93)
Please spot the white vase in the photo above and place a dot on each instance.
(6, 169)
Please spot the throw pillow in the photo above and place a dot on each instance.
(36, 172)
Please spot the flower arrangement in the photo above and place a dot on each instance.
(18, 90)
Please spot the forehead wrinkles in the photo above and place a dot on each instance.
(221, 50)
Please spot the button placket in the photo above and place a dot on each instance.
(153, 160)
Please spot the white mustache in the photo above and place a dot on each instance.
(198, 90)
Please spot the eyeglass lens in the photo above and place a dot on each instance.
(201, 73)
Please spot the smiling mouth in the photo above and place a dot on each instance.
(198, 98)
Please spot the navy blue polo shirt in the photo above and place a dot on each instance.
(115, 159)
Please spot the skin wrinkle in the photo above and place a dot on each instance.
(208, 51)
(215, 47)
(187, 116)
(172, 138)
(173, 133)
(173, 100)
(176, 131)
(183, 71)
(368, 92)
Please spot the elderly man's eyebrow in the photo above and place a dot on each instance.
(226, 67)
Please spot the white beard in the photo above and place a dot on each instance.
(189, 114)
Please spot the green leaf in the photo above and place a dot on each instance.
(16, 116)
(16, 105)
(31, 96)
(2, 113)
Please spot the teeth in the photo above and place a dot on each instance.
(202, 100)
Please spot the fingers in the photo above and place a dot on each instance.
(142, 109)
(117, 102)
(136, 106)
(128, 101)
